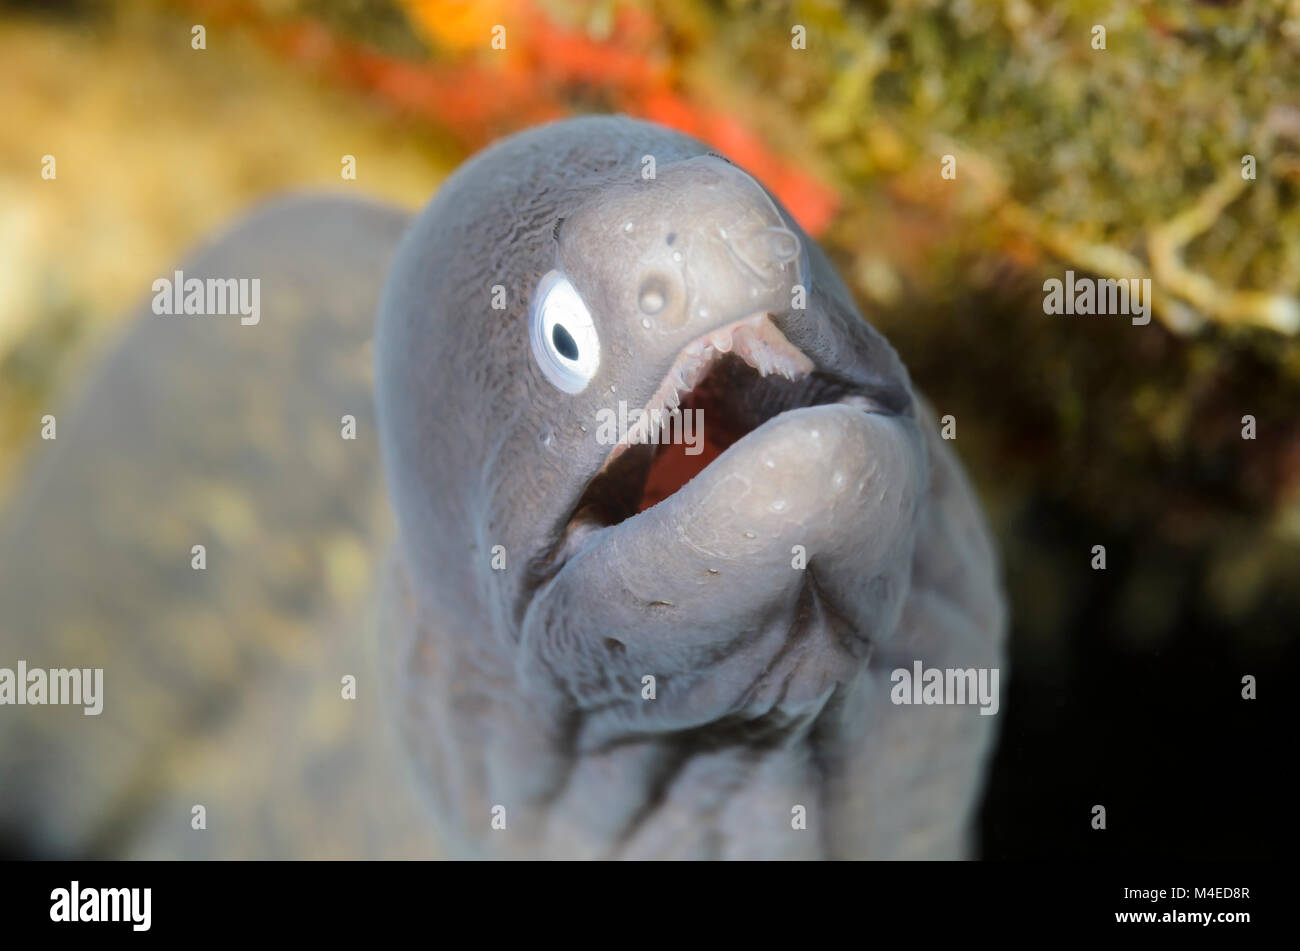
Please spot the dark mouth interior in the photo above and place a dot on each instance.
(734, 399)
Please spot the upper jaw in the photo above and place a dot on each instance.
(757, 340)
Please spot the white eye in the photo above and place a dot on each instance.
(563, 336)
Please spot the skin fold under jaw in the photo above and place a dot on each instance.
(764, 588)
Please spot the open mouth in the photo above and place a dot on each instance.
(721, 387)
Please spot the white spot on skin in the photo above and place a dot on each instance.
(838, 480)
(750, 535)
(778, 505)
(645, 322)
(628, 226)
(769, 463)
(677, 256)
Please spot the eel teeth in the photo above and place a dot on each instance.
(754, 339)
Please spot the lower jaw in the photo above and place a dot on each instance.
(728, 405)
(676, 463)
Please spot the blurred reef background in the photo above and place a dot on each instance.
(1118, 162)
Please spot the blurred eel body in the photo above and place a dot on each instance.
(588, 648)
(221, 686)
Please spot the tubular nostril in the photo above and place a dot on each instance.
(768, 250)
(780, 244)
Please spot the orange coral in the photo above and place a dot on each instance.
(477, 92)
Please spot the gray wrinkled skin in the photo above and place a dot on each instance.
(522, 688)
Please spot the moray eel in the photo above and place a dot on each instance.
(620, 648)
(573, 646)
